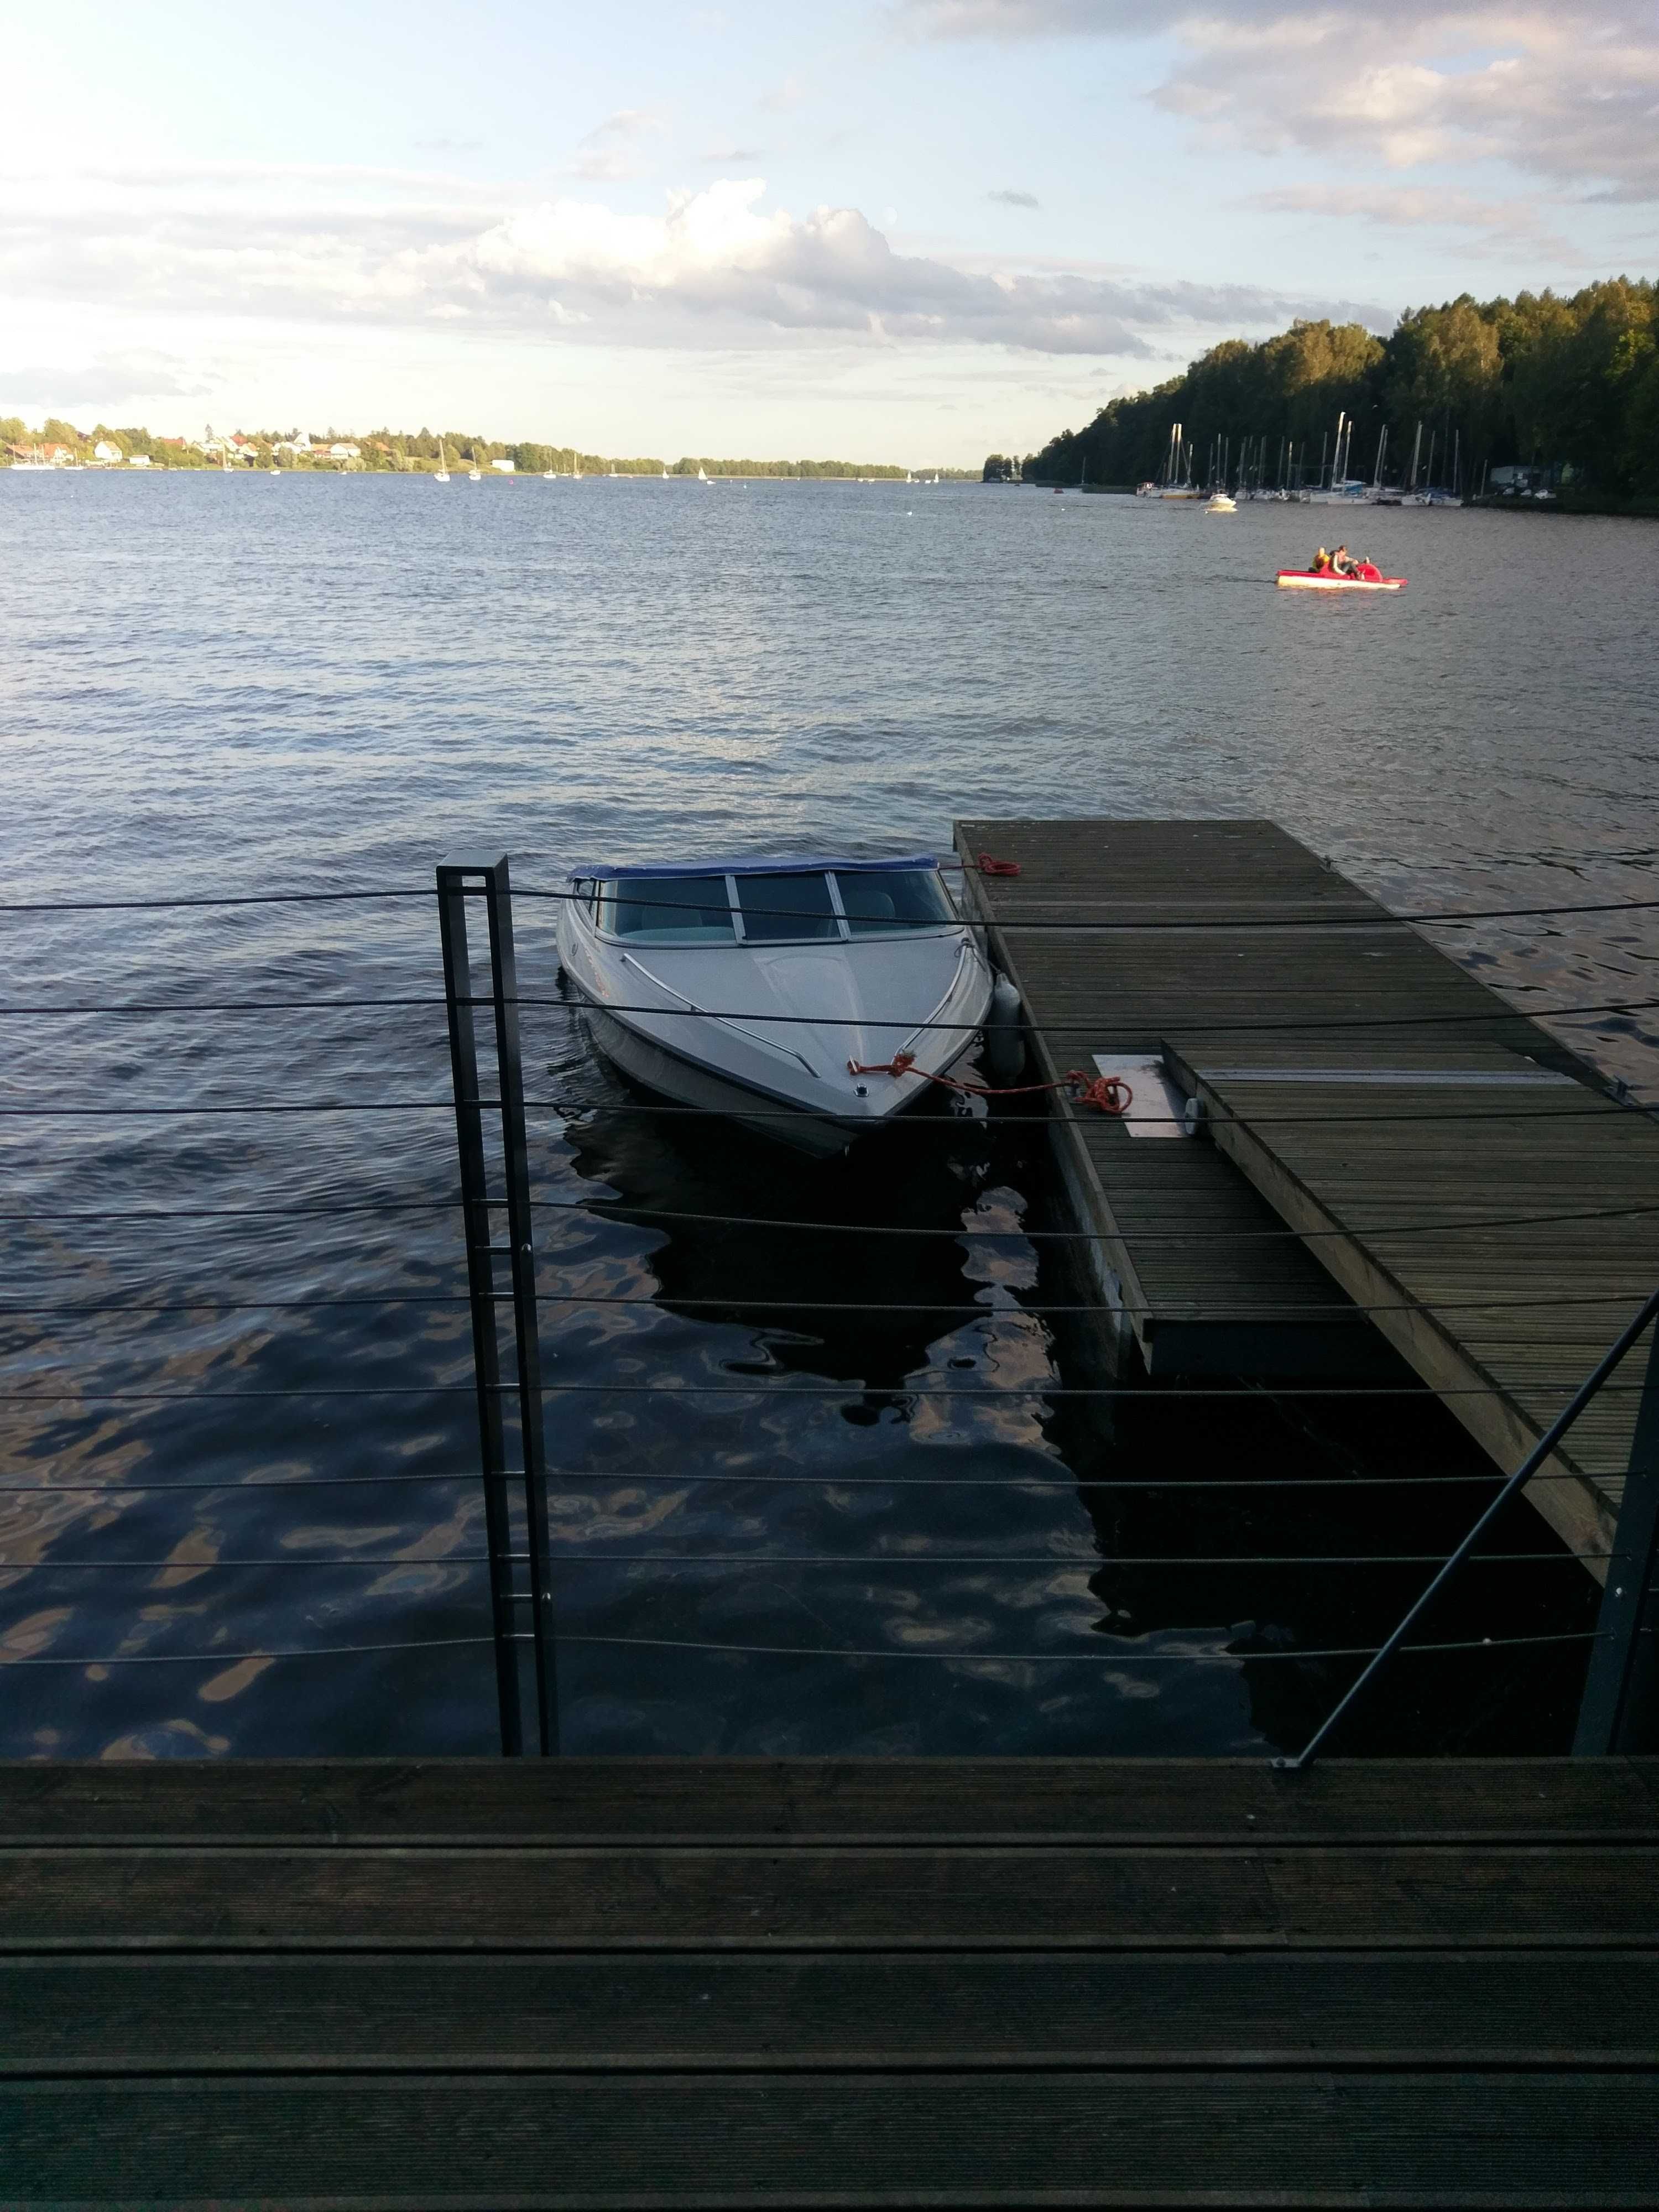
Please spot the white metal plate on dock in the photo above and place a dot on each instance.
(1156, 1108)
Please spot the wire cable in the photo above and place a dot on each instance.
(1095, 1562)
(1601, 1109)
(799, 1651)
(1382, 918)
(1125, 1017)
(665, 1300)
(1015, 1393)
(604, 1209)
(560, 1481)
(240, 1658)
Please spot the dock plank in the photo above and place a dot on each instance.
(402, 1986)
(420, 1897)
(231, 2012)
(1302, 2136)
(379, 1802)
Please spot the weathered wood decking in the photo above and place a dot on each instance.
(616, 1983)
(1361, 1088)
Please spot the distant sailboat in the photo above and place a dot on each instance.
(664, 476)
(275, 470)
(702, 474)
(474, 474)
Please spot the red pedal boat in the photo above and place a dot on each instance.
(1326, 580)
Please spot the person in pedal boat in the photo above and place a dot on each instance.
(1343, 562)
(1321, 562)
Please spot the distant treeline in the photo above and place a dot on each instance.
(394, 451)
(1535, 380)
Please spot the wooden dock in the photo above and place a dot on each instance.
(678, 1983)
(1359, 1087)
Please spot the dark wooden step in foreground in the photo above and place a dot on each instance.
(614, 1982)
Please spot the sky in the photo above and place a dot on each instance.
(887, 230)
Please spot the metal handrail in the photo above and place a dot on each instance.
(1587, 1390)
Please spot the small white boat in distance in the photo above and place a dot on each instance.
(1221, 504)
(812, 998)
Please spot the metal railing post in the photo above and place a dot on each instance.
(504, 991)
(1620, 1707)
(490, 881)
(1628, 1335)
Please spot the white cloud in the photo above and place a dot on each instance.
(624, 123)
(716, 268)
(604, 164)
(1568, 93)
(1495, 225)
(1015, 199)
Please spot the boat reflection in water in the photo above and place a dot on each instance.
(813, 999)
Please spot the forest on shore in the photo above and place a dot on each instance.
(1541, 380)
(408, 452)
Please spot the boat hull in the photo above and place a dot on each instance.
(1301, 579)
(813, 1041)
(654, 1067)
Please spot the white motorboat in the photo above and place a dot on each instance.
(813, 999)
(1220, 503)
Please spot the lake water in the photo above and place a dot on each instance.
(218, 685)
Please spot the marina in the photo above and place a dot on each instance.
(830, 1347)
(1028, 1429)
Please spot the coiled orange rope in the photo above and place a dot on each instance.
(1107, 1094)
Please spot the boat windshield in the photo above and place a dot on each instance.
(892, 898)
(795, 907)
(669, 910)
(785, 909)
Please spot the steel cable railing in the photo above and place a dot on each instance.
(1015, 1392)
(1382, 917)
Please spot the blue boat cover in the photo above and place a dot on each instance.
(788, 865)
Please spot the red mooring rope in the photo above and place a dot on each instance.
(1107, 1094)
